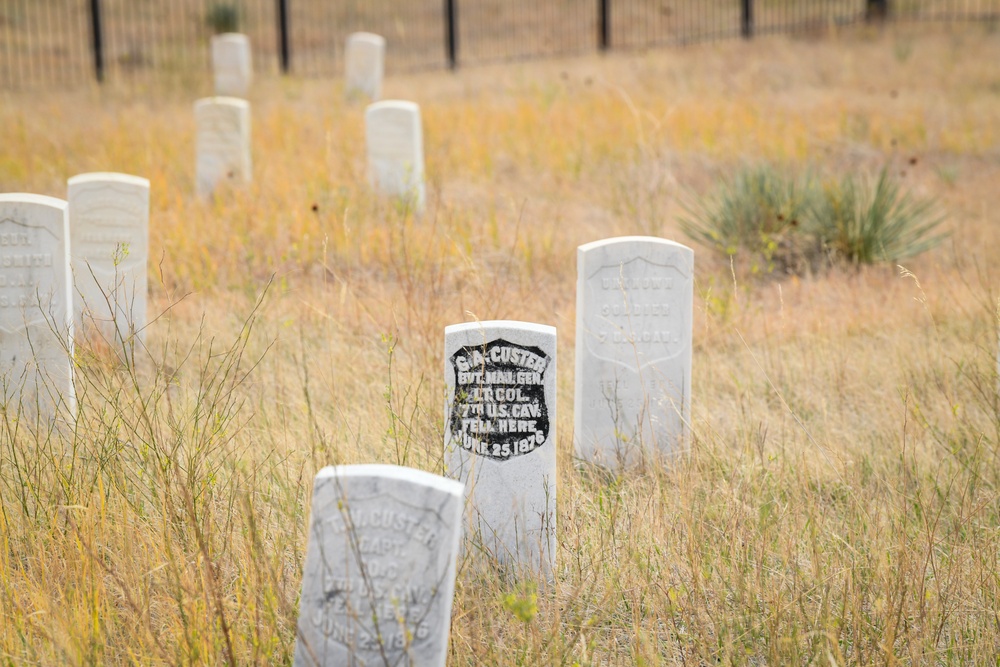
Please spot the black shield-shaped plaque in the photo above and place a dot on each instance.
(498, 410)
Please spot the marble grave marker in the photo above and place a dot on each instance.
(379, 573)
(232, 64)
(500, 436)
(109, 251)
(222, 144)
(364, 60)
(36, 312)
(633, 349)
(394, 137)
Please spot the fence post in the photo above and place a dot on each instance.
(284, 48)
(746, 19)
(97, 39)
(604, 24)
(451, 32)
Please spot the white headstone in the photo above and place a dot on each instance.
(379, 574)
(500, 436)
(395, 140)
(109, 252)
(633, 349)
(232, 64)
(36, 316)
(223, 142)
(365, 63)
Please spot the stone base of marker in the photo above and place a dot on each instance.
(379, 574)
(36, 316)
(222, 150)
(633, 349)
(500, 437)
(109, 248)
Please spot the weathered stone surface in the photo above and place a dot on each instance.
(36, 317)
(633, 348)
(222, 144)
(379, 574)
(364, 60)
(395, 141)
(500, 436)
(232, 64)
(109, 254)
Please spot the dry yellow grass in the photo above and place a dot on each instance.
(839, 504)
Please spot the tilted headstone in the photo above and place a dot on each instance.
(379, 573)
(232, 64)
(36, 311)
(364, 60)
(222, 143)
(109, 252)
(395, 140)
(633, 349)
(500, 436)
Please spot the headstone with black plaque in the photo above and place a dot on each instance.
(36, 307)
(500, 437)
(379, 573)
(109, 251)
(633, 349)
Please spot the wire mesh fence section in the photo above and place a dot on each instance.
(414, 32)
(51, 42)
(498, 30)
(789, 16)
(44, 42)
(946, 10)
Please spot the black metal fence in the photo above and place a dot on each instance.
(69, 42)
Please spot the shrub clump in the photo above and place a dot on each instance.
(223, 17)
(799, 225)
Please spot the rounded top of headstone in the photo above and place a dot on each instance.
(500, 324)
(392, 472)
(28, 198)
(108, 177)
(366, 37)
(221, 100)
(231, 37)
(392, 105)
(622, 240)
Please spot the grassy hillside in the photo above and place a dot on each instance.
(840, 500)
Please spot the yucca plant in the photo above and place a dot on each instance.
(223, 17)
(756, 213)
(862, 224)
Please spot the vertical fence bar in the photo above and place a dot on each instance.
(604, 24)
(451, 32)
(746, 19)
(97, 39)
(284, 47)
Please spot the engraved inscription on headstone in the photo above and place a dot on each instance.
(379, 573)
(232, 64)
(365, 64)
(633, 348)
(36, 319)
(394, 137)
(222, 143)
(500, 438)
(109, 248)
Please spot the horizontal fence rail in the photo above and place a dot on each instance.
(70, 42)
